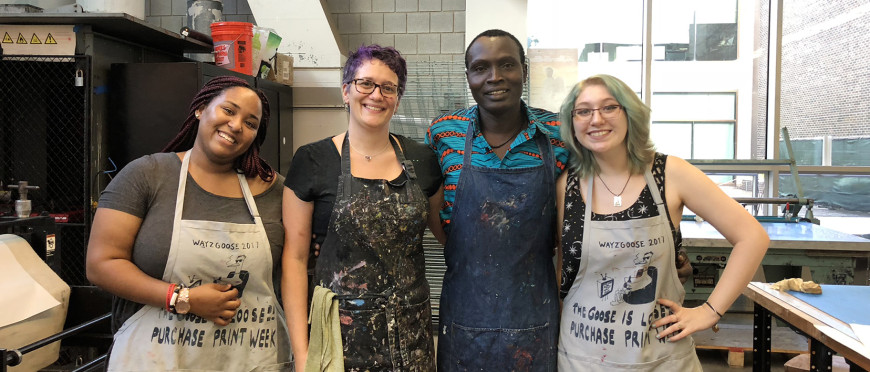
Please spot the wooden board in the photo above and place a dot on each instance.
(739, 337)
(815, 323)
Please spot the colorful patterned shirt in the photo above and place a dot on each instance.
(446, 136)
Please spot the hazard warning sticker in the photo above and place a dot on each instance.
(38, 39)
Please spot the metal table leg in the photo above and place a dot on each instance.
(762, 327)
(821, 357)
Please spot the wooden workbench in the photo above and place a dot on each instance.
(824, 318)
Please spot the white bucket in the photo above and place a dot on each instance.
(135, 8)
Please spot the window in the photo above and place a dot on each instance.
(683, 124)
(706, 54)
(688, 30)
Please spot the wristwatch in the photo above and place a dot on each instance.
(182, 305)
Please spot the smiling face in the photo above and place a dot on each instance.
(371, 110)
(229, 123)
(597, 133)
(495, 74)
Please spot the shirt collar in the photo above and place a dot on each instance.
(535, 124)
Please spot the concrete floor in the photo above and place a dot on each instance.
(717, 361)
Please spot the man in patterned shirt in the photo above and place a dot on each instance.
(499, 304)
(500, 158)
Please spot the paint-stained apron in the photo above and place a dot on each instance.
(499, 303)
(211, 252)
(372, 259)
(607, 316)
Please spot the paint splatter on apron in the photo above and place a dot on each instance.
(625, 266)
(372, 259)
(211, 252)
(499, 304)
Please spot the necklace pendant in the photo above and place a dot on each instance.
(368, 157)
(617, 200)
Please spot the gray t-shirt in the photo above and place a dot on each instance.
(147, 188)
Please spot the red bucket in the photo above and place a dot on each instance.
(232, 46)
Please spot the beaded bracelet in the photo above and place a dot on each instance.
(169, 294)
(175, 293)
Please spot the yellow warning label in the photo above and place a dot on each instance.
(50, 39)
(35, 39)
(6, 38)
(21, 39)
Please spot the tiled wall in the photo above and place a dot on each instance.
(422, 30)
(825, 74)
(172, 14)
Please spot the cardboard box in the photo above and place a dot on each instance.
(283, 70)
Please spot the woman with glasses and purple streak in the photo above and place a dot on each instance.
(367, 195)
(619, 208)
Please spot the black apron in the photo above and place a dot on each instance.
(499, 304)
(372, 259)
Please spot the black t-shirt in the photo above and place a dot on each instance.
(315, 169)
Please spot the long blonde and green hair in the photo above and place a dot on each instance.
(641, 150)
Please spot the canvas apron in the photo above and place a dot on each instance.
(625, 266)
(373, 260)
(499, 304)
(204, 252)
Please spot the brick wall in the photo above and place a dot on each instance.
(759, 93)
(825, 68)
(172, 14)
(422, 30)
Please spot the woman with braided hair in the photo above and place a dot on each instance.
(189, 241)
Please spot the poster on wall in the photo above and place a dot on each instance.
(552, 72)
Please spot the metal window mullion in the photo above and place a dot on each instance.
(774, 74)
(646, 53)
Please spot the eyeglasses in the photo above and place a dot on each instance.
(368, 87)
(609, 112)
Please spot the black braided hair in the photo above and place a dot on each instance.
(250, 164)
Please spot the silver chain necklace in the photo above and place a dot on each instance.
(369, 157)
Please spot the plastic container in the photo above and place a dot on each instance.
(233, 49)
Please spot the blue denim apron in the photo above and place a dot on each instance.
(499, 303)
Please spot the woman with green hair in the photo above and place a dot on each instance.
(619, 208)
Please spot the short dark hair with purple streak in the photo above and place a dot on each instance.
(388, 55)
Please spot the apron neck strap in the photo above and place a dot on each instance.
(541, 140)
(654, 190)
(407, 165)
(650, 182)
(182, 187)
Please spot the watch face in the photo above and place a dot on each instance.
(182, 306)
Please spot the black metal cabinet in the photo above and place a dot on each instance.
(53, 130)
(151, 100)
